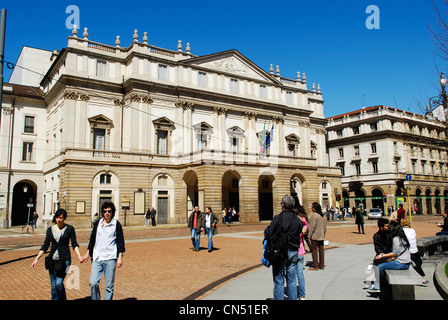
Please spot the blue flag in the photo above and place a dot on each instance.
(270, 137)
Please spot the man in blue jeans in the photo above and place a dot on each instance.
(106, 248)
(286, 269)
(196, 226)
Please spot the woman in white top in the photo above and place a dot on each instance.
(415, 256)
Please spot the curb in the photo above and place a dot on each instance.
(441, 280)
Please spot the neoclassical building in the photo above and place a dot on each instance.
(383, 152)
(146, 127)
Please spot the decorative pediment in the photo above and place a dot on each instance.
(202, 127)
(292, 137)
(232, 62)
(163, 123)
(235, 131)
(101, 121)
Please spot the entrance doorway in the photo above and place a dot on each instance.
(23, 194)
(231, 190)
(162, 210)
(265, 198)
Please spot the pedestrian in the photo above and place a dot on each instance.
(106, 248)
(229, 216)
(415, 256)
(153, 216)
(359, 220)
(443, 225)
(381, 244)
(400, 253)
(300, 276)
(210, 220)
(317, 229)
(196, 226)
(35, 217)
(58, 235)
(147, 218)
(286, 269)
(401, 213)
(223, 213)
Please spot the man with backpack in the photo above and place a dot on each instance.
(283, 242)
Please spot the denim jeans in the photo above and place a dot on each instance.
(300, 277)
(392, 265)
(286, 271)
(98, 267)
(57, 284)
(195, 238)
(210, 236)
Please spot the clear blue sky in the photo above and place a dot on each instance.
(396, 65)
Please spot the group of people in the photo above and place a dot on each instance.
(150, 217)
(106, 247)
(229, 215)
(199, 222)
(395, 245)
(293, 221)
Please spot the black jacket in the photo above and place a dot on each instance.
(291, 223)
(68, 236)
(119, 241)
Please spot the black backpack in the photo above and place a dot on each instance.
(276, 250)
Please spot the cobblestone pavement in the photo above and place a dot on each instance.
(159, 263)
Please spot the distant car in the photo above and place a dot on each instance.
(375, 213)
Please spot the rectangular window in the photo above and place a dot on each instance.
(262, 91)
(292, 150)
(356, 149)
(29, 124)
(341, 152)
(27, 151)
(202, 141)
(339, 133)
(374, 126)
(356, 130)
(234, 85)
(99, 136)
(162, 74)
(375, 167)
(288, 97)
(162, 142)
(373, 147)
(100, 68)
(202, 79)
(358, 169)
(235, 143)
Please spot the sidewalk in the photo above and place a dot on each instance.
(342, 279)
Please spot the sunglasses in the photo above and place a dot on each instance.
(106, 211)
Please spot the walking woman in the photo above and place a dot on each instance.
(317, 229)
(59, 235)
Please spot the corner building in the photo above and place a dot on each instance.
(146, 127)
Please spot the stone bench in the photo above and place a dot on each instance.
(402, 283)
(432, 245)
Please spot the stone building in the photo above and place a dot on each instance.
(385, 152)
(146, 127)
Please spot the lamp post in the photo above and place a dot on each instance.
(440, 100)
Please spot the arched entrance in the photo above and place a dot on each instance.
(191, 182)
(437, 204)
(296, 189)
(230, 190)
(428, 201)
(24, 195)
(346, 197)
(360, 199)
(377, 199)
(418, 208)
(265, 198)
